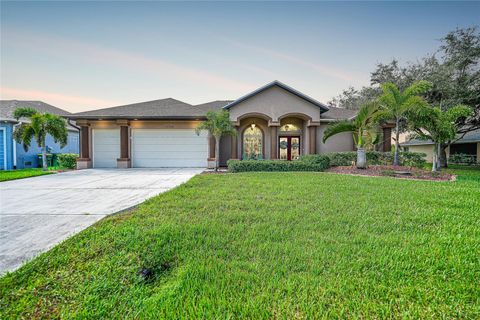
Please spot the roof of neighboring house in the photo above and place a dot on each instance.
(335, 113)
(156, 109)
(472, 136)
(323, 107)
(7, 107)
(213, 105)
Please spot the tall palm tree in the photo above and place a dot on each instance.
(396, 104)
(363, 129)
(39, 125)
(218, 124)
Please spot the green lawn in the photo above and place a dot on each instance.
(269, 245)
(22, 173)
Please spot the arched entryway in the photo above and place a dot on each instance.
(291, 138)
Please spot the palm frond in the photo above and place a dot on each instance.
(339, 127)
(416, 88)
(24, 113)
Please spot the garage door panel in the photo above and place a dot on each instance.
(106, 148)
(169, 148)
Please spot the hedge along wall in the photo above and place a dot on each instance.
(305, 163)
(411, 159)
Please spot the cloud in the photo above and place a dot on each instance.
(68, 102)
(102, 55)
(322, 69)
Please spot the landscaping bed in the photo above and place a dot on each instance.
(394, 171)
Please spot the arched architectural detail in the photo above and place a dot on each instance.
(251, 149)
(253, 115)
(302, 116)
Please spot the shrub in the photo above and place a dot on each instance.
(412, 159)
(462, 158)
(377, 158)
(310, 163)
(67, 160)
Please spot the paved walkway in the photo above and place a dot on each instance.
(38, 213)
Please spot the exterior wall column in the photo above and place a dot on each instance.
(312, 139)
(211, 151)
(85, 161)
(273, 143)
(234, 146)
(124, 161)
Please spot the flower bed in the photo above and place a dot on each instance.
(394, 171)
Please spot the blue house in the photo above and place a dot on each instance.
(12, 154)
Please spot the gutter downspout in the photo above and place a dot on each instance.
(14, 146)
(69, 121)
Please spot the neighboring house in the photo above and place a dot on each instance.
(272, 122)
(12, 154)
(468, 144)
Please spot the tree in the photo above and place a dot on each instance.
(363, 129)
(39, 126)
(395, 104)
(432, 123)
(218, 124)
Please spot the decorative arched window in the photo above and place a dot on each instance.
(289, 127)
(252, 143)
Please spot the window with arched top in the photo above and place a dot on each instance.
(289, 127)
(252, 143)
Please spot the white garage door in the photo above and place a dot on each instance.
(106, 148)
(156, 148)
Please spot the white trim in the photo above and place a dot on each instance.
(93, 148)
(4, 148)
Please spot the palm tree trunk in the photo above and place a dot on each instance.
(435, 156)
(439, 160)
(217, 152)
(397, 136)
(361, 158)
(44, 157)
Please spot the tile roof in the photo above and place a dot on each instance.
(335, 113)
(472, 136)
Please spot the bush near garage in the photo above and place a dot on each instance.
(67, 160)
(305, 163)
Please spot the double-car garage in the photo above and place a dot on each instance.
(151, 148)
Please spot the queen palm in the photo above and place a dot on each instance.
(38, 127)
(218, 124)
(363, 129)
(396, 104)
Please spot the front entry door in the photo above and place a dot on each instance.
(289, 148)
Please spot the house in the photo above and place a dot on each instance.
(272, 122)
(12, 154)
(468, 145)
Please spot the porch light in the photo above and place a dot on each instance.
(253, 126)
(287, 127)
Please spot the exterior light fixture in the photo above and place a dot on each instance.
(253, 126)
(287, 127)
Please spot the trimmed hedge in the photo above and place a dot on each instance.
(67, 160)
(305, 163)
(411, 159)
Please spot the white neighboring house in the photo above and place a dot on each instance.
(469, 145)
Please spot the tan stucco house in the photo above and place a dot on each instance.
(468, 144)
(272, 122)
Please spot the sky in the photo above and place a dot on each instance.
(88, 55)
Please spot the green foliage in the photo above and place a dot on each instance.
(6, 175)
(363, 127)
(462, 158)
(411, 159)
(39, 126)
(305, 163)
(268, 245)
(218, 124)
(67, 160)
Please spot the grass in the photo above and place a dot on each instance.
(22, 173)
(268, 245)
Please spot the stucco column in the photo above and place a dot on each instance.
(84, 162)
(312, 139)
(124, 161)
(273, 143)
(234, 146)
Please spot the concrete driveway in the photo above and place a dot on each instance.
(37, 213)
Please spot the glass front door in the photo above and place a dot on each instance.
(289, 148)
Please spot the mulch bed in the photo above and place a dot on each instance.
(394, 171)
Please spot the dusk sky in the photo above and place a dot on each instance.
(82, 56)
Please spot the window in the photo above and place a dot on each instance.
(289, 127)
(252, 143)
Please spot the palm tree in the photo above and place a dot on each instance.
(38, 127)
(396, 104)
(431, 123)
(363, 129)
(218, 124)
